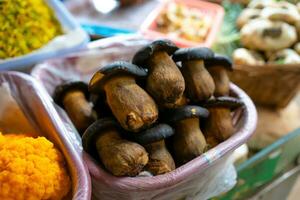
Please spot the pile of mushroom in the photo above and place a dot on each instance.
(269, 32)
(157, 113)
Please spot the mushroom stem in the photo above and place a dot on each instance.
(79, 110)
(165, 81)
(121, 157)
(221, 80)
(199, 83)
(188, 141)
(130, 104)
(219, 123)
(160, 159)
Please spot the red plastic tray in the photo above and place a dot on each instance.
(214, 11)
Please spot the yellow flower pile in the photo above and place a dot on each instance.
(31, 169)
(25, 25)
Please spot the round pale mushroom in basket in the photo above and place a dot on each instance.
(297, 48)
(281, 11)
(285, 56)
(260, 4)
(297, 26)
(266, 35)
(246, 15)
(242, 56)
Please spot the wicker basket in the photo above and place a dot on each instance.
(268, 85)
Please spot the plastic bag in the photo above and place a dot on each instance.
(206, 176)
(12, 119)
(26, 107)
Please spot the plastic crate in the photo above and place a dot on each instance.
(214, 11)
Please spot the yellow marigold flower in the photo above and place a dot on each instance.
(26, 25)
(31, 169)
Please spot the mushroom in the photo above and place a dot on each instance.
(199, 83)
(211, 141)
(246, 15)
(160, 160)
(101, 105)
(180, 102)
(219, 124)
(297, 48)
(72, 96)
(260, 4)
(119, 156)
(130, 104)
(244, 2)
(285, 56)
(242, 56)
(284, 5)
(165, 81)
(188, 141)
(266, 35)
(283, 12)
(297, 26)
(217, 67)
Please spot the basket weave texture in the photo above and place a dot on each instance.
(268, 85)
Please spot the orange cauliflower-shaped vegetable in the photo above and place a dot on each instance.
(31, 169)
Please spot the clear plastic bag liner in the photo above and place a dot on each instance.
(25, 107)
(206, 176)
(12, 118)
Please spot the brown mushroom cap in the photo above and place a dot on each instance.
(68, 86)
(225, 102)
(115, 68)
(184, 112)
(141, 57)
(187, 54)
(219, 60)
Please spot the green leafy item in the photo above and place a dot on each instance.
(229, 38)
